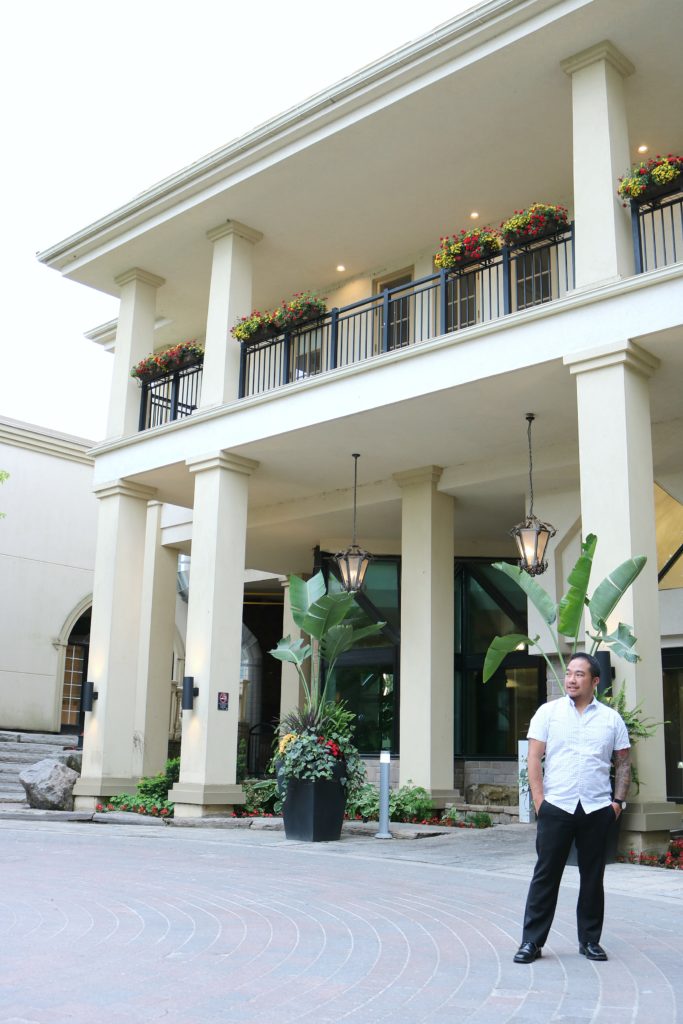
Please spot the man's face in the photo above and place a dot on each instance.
(579, 684)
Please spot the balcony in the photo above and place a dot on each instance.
(415, 312)
(170, 396)
(412, 313)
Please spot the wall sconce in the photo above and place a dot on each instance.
(190, 691)
(532, 535)
(88, 695)
(353, 562)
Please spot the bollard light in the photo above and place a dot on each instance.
(384, 769)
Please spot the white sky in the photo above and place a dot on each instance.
(101, 100)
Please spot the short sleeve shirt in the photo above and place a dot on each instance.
(578, 752)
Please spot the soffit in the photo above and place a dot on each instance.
(493, 135)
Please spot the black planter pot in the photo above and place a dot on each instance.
(655, 192)
(525, 242)
(313, 810)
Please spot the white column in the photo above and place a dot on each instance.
(155, 649)
(291, 691)
(230, 297)
(427, 633)
(109, 763)
(603, 247)
(134, 341)
(617, 505)
(208, 759)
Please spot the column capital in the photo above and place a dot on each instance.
(137, 274)
(604, 50)
(234, 227)
(422, 475)
(627, 354)
(125, 489)
(222, 460)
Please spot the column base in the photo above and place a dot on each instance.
(93, 790)
(646, 827)
(195, 800)
(442, 797)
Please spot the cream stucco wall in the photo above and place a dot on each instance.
(47, 542)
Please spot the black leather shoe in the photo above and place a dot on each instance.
(527, 953)
(592, 951)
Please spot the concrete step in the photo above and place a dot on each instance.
(50, 738)
(27, 753)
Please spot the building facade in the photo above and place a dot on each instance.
(426, 373)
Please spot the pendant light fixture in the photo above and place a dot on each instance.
(353, 562)
(532, 535)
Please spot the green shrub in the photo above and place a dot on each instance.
(479, 819)
(151, 794)
(364, 803)
(260, 796)
(410, 803)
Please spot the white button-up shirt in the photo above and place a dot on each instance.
(578, 752)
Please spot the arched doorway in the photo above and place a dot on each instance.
(75, 673)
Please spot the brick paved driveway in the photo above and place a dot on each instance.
(120, 925)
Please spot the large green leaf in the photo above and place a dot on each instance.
(622, 642)
(572, 604)
(340, 639)
(612, 589)
(498, 650)
(293, 651)
(323, 614)
(304, 593)
(536, 594)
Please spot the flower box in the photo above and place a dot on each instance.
(476, 246)
(537, 223)
(163, 364)
(652, 179)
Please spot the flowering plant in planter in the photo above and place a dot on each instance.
(467, 247)
(287, 316)
(171, 359)
(647, 177)
(301, 307)
(249, 326)
(537, 220)
(323, 750)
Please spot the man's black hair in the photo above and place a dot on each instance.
(593, 662)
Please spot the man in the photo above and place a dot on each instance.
(579, 736)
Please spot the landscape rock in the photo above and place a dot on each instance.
(72, 759)
(49, 785)
(485, 793)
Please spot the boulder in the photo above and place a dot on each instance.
(72, 759)
(490, 795)
(49, 785)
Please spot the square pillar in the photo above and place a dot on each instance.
(603, 246)
(134, 341)
(155, 649)
(110, 762)
(427, 633)
(230, 297)
(617, 505)
(208, 757)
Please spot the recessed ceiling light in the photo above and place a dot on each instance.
(474, 215)
(341, 268)
(642, 149)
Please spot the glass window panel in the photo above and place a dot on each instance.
(369, 692)
(485, 618)
(498, 713)
(673, 730)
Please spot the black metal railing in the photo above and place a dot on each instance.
(517, 279)
(657, 232)
(170, 397)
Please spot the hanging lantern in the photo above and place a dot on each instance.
(353, 562)
(532, 535)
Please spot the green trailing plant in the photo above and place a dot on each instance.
(261, 797)
(566, 616)
(151, 794)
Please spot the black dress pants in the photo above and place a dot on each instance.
(555, 831)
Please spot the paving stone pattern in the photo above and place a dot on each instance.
(109, 924)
